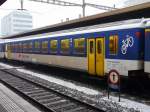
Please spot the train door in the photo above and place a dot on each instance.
(6, 48)
(100, 56)
(96, 56)
(8, 51)
(91, 56)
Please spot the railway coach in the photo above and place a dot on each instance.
(2, 48)
(147, 48)
(95, 49)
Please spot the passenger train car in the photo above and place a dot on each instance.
(147, 48)
(95, 49)
(2, 49)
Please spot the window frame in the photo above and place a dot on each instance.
(75, 48)
(115, 44)
(54, 51)
(30, 47)
(65, 50)
(38, 49)
(45, 50)
(91, 51)
(26, 49)
(99, 47)
(15, 47)
(20, 47)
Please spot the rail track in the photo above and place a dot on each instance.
(48, 99)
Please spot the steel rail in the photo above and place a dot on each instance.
(10, 79)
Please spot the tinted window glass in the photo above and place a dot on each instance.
(53, 46)
(45, 46)
(99, 47)
(91, 47)
(113, 44)
(65, 46)
(79, 46)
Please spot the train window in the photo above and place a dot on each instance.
(24, 47)
(0, 48)
(99, 47)
(91, 47)
(20, 47)
(36, 44)
(16, 48)
(53, 46)
(65, 45)
(79, 46)
(30, 47)
(11, 47)
(113, 45)
(45, 46)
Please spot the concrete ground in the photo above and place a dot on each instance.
(11, 102)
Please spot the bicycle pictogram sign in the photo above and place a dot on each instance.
(128, 42)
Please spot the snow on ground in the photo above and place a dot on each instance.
(61, 82)
(6, 65)
(124, 102)
(56, 80)
(129, 104)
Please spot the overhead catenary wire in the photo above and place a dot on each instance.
(83, 5)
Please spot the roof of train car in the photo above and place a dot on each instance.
(148, 23)
(132, 12)
(136, 23)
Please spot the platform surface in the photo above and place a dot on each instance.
(11, 102)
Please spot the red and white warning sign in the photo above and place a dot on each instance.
(113, 77)
(114, 81)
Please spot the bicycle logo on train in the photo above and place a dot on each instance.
(128, 42)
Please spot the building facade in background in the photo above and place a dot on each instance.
(16, 22)
(134, 2)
